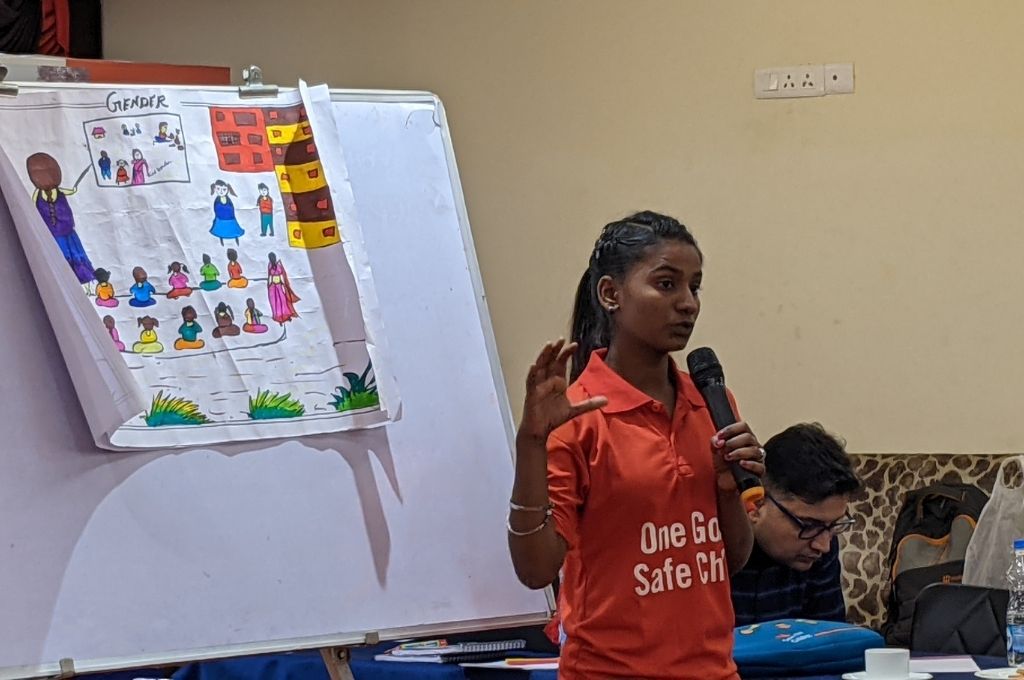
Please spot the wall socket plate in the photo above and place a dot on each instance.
(805, 80)
(838, 78)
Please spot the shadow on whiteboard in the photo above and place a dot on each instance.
(228, 521)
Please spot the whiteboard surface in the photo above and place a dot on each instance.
(117, 559)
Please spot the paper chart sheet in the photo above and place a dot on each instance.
(195, 253)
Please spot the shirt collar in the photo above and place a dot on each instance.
(598, 379)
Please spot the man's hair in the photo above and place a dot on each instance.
(807, 462)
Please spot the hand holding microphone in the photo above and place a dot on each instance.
(739, 448)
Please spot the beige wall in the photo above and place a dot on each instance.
(865, 253)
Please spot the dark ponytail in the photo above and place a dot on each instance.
(590, 327)
(620, 246)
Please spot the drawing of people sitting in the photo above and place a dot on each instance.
(142, 291)
(108, 321)
(178, 280)
(225, 321)
(235, 278)
(148, 342)
(189, 331)
(104, 289)
(210, 273)
(252, 318)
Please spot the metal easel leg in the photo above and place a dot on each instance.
(336, 659)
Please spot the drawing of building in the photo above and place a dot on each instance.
(304, 191)
(281, 140)
(240, 136)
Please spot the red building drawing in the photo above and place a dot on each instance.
(240, 136)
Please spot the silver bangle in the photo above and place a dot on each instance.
(529, 532)
(530, 508)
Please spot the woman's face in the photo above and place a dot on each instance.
(658, 298)
(222, 190)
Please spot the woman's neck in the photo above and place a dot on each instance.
(644, 369)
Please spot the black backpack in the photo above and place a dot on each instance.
(928, 546)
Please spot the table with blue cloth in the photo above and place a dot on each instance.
(309, 666)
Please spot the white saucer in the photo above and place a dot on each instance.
(862, 675)
(1000, 673)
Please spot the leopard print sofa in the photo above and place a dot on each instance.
(886, 479)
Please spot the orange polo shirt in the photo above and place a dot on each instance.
(645, 584)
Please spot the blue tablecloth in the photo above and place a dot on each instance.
(982, 661)
(309, 666)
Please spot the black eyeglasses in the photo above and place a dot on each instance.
(809, 530)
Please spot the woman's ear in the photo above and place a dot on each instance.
(608, 294)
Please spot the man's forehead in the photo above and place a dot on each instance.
(826, 510)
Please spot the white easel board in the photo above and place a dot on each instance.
(117, 560)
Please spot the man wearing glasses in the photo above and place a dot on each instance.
(794, 570)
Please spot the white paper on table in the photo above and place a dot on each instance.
(168, 216)
(943, 664)
(547, 666)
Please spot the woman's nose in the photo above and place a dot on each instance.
(687, 301)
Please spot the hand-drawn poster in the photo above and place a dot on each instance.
(193, 248)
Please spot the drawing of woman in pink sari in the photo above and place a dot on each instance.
(140, 168)
(279, 290)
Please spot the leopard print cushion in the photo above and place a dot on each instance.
(865, 548)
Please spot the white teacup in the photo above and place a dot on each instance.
(886, 664)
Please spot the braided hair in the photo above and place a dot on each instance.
(620, 246)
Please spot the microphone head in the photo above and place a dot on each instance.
(704, 367)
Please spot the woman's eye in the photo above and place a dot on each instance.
(695, 289)
(666, 284)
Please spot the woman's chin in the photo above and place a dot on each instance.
(677, 342)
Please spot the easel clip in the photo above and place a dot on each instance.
(254, 86)
(67, 667)
(6, 89)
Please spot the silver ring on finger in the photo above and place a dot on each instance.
(761, 454)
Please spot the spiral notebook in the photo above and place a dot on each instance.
(441, 652)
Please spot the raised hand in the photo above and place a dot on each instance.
(546, 405)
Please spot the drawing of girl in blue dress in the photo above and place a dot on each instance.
(224, 223)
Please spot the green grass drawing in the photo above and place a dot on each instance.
(267, 405)
(361, 393)
(174, 411)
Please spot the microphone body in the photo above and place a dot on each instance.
(708, 376)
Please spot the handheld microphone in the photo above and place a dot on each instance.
(708, 376)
